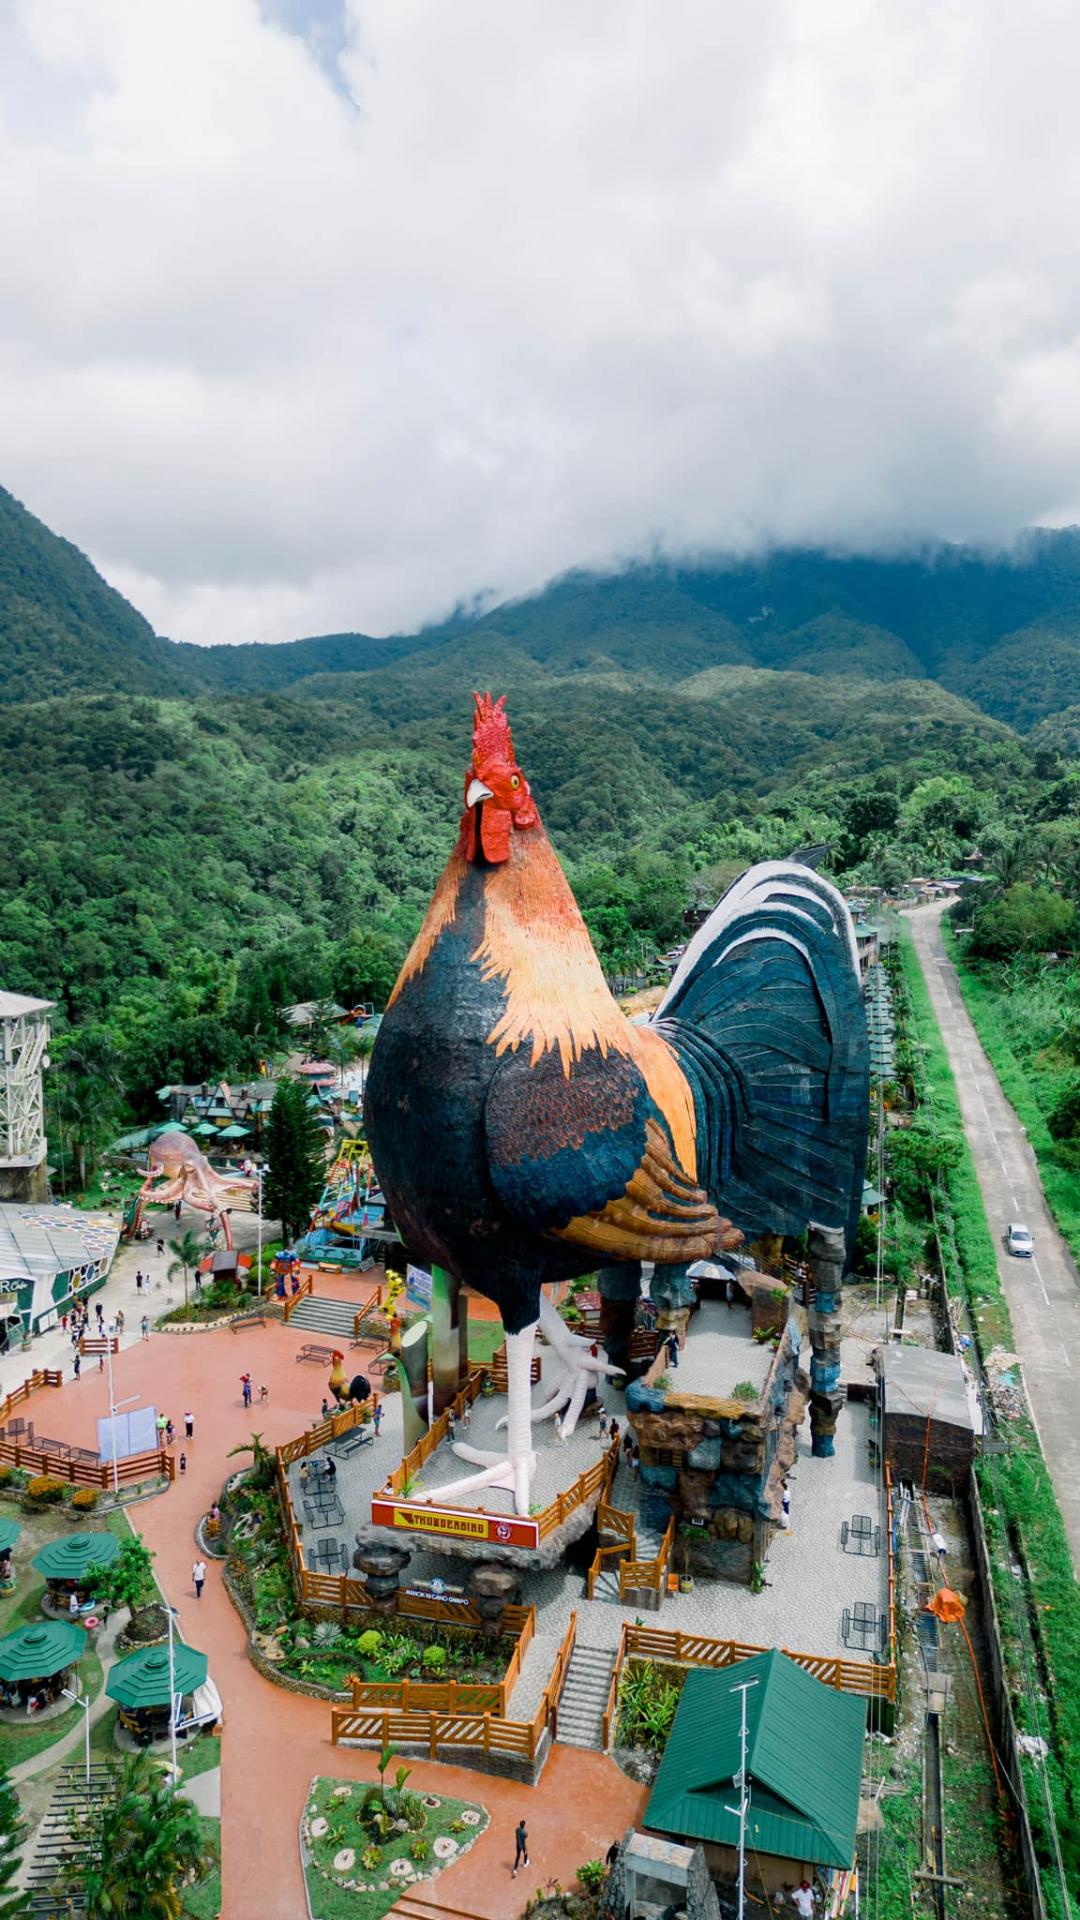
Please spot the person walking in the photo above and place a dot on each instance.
(160, 1248)
(521, 1847)
(170, 1433)
(183, 1463)
(451, 1422)
(119, 1319)
(376, 1418)
(466, 1418)
(76, 1363)
(673, 1349)
(198, 1577)
(603, 1422)
(189, 1426)
(138, 1279)
(146, 1326)
(245, 1388)
(559, 1434)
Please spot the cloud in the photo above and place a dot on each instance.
(324, 315)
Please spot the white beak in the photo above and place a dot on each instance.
(477, 792)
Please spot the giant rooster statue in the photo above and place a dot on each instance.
(524, 1131)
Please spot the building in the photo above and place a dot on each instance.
(210, 1108)
(47, 1255)
(24, 1039)
(931, 1419)
(804, 1752)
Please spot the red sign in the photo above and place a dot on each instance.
(455, 1523)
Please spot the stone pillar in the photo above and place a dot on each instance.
(382, 1568)
(827, 1252)
(491, 1589)
(449, 1337)
(412, 1365)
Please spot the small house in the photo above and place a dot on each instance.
(804, 1752)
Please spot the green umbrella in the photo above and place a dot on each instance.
(68, 1559)
(143, 1678)
(234, 1132)
(206, 1126)
(9, 1533)
(38, 1651)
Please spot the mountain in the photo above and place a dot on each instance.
(61, 628)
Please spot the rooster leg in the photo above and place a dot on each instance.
(580, 1369)
(514, 1469)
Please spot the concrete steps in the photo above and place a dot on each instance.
(325, 1316)
(581, 1709)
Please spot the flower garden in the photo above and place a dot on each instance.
(365, 1844)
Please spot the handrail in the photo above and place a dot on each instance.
(368, 1307)
(649, 1573)
(41, 1377)
(697, 1650)
(307, 1285)
(413, 1461)
(91, 1472)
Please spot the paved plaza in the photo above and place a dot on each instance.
(719, 1353)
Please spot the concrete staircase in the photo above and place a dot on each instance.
(581, 1709)
(325, 1316)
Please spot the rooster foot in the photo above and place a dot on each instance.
(579, 1370)
(498, 1470)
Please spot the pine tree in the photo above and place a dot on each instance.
(294, 1150)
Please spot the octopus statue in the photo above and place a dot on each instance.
(179, 1170)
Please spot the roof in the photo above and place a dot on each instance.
(921, 1382)
(68, 1559)
(145, 1678)
(13, 1004)
(804, 1762)
(40, 1649)
(40, 1241)
(305, 1012)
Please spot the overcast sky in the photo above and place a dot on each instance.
(321, 316)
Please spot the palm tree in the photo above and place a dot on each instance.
(189, 1251)
(144, 1845)
(262, 1460)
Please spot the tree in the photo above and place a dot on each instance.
(297, 1162)
(144, 1843)
(1024, 919)
(12, 1904)
(128, 1581)
(188, 1251)
(262, 1460)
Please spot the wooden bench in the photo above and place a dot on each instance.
(249, 1320)
(312, 1351)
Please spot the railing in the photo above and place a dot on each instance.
(307, 1285)
(82, 1468)
(644, 1344)
(593, 1480)
(500, 1379)
(436, 1433)
(434, 1728)
(891, 1642)
(696, 1650)
(369, 1306)
(41, 1377)
(452, 1696)
(321, 1435)
(649, 1573)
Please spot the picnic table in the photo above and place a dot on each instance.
(862, 1627)
(314, 1350)
(324, 1513)
(860, 1535)
(353, 1440)
(330, 1556)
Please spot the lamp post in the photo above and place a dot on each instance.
(114, 1408)
(85, 1705)
(744, 1797)
(171, 1616)
(260, 1174)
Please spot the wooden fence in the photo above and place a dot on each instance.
(696, 1650)
(652, 1574)
(432, 1728)
(451, 1696)
(77, 1465)
(500, 1379)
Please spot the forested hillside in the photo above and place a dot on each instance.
(177, 867)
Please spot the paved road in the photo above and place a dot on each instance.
(1044, 1293)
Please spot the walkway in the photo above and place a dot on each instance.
(1043, 1294)
(274, 1741)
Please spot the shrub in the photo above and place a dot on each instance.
(592, 1875)
(369, 1644)
(45, 1490)
(328, 1634)
(7, 1474)
(745, 1390)
(420, 1849)
(84, 1499)
(434, 1658)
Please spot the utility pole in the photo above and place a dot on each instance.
(744, 1797)
(259, 1173)
(114, 1408)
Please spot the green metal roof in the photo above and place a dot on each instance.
(804, 1762)
(143, 1678)
(37, 1651)
(68, 1559)
(9, 1533)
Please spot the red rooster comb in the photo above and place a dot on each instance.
(491, 729)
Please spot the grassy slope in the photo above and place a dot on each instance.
(1028, 1093)
(1018, 1494)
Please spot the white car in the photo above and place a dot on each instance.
(1018, 1240)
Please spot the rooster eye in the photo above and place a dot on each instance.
(515, 781)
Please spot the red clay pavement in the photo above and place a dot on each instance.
(273, 1741)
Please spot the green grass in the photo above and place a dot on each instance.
(485, 1338)
(328, 1900)
(19, 1743)
(204, 1901)
(1029, 1086)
